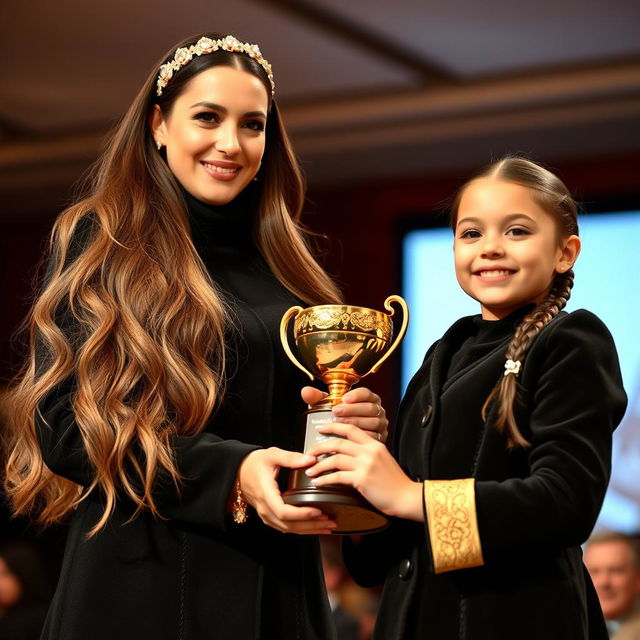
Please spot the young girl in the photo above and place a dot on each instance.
(158, 401)
(503, 441)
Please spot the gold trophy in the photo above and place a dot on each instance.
(340, 345)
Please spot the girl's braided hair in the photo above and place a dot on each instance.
(552, 195)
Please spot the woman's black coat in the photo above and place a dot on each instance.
(196, 575)
(534, 506)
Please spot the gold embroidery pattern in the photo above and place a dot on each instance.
(345, 318)
(453, 524)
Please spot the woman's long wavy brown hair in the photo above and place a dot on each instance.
(552, 195)
(130, 314)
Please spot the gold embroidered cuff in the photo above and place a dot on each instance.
(453, 525)
(238, 505)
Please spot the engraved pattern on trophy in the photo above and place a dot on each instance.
(340, 345)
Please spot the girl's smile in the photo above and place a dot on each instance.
(495, 274)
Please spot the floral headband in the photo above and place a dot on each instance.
(184, 55)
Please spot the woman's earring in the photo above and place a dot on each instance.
(159, 145)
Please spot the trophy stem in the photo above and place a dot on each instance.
(339, 382)
(336, 391)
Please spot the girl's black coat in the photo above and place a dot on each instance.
(535, 506)
(196, 575)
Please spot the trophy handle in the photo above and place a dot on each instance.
(284, 323)
(403, 328)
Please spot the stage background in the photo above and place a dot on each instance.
(390, 106)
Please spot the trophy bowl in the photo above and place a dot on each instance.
(339, 345)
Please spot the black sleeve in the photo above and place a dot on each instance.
(207, 463)
(577, 400)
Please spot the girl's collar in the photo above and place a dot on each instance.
(498, 328)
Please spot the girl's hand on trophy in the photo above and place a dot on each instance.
(360, 407)
(355, 459)
(257, 475)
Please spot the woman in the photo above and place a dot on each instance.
(157, 382)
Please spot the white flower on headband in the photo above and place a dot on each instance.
(230, 43)
(207, 45)
(512, 366)
(184, 55)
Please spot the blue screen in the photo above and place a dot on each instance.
(606, 282)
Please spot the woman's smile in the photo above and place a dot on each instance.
(220, 170)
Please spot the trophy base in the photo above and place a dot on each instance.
(350, 511)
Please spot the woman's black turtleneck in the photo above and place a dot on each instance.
(223, 237)
(256, 301)
(262, 401)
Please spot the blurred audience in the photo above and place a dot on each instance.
(335, 576)
(613, 561)
(354, 608)
(24, 593)
(363, 603)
